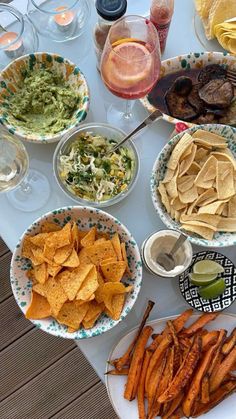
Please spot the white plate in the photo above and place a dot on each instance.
(115, 385)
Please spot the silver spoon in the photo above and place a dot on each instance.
(166, 260)
(154, 116)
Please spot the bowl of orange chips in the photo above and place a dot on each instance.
(76, 272)
(193, 184)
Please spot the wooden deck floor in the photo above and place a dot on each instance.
(42, 376)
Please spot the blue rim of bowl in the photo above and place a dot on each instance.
(158, 206)
(89, 332)
(40, 139)
(114, 200)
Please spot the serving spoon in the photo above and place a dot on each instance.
(154, 116)
(166, 260)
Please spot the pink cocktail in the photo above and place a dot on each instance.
(130, 64)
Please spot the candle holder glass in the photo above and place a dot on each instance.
(59, 21)
(17, 35)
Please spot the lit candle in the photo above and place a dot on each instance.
(16, 49)
(64, 20)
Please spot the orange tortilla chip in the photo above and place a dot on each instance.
(75, 237)
(89, 285)
(37, 256)
(94, 310)
(60, 238)
(89, 239)
(72, 314)
(100, 251)
(108, 290)
(113, 271)
(39, 239)
(125, 259)
(72, 261)
(48, 227)
(116, 244)
(117, 306)
(62, 254)
(40, 289)
(91, 298)
(72, 282)
(54, 270)
(39, 307)
(83, 256)
(55, 295)
(41, 273)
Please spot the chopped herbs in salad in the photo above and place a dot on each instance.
(92, 174)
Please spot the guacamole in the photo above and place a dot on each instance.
(44, 102)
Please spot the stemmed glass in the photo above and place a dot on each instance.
(130, 64)
(27, 190)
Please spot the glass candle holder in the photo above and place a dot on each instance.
(59, 20)
(17, 35)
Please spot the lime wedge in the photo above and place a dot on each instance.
(213, 290)
(207, 267)
(202, 279)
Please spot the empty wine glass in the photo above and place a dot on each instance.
(27, 190)
(130, 64)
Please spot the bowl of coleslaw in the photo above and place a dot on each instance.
(89, 172)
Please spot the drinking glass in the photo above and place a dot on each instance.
(130, 64)
(27, 190)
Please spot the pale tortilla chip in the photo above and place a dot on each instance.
(171, 187)
(177, 204)
(168, 175)
(232, 207)
(227, 224)
(223, 156)
(187, 162)
(164, 197)
(194, 169)
(211, 138)
(201, 153)
(224, 179)
(188, 196)
(211, 208)
(178, 151)
(185, 183)
(207, 173)
(209, 219)
(204, 232)
(39, 307)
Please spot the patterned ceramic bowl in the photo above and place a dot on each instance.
(188, 61)
(220, 239)
(12, 75)
(85, 217)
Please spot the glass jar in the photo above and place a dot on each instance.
(108, 12)
(17, 35)
(58, 20)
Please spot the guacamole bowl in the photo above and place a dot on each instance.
(89, 172)
(42, 97)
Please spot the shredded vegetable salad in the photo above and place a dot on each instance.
(92, 174)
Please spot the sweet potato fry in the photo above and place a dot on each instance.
(152, 347)
(154, 382)
(195, 385)
(209, 339)
(126, 358)
(205, 390)
(173, 405)
(173, 333)
(157, 357)
(199, 323)
(141, 386)
(180, 321)
(218, 356)
(178, 413)
(224, 368)
(123, 371)
(215, 398)
(229, 343)
(137, 359)
(184, 373)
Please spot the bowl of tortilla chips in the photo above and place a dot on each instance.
(193, 184)
(76, 272)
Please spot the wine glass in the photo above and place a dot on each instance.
(27, 190)
(130, 64)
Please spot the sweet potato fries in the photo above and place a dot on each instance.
(182, 372)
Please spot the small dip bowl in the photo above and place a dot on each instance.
(163, 241)
(11, 80)
(70, 164)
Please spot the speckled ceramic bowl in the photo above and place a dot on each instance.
(185, 62)
(13, 74)
(85, 217)
(220, 239)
